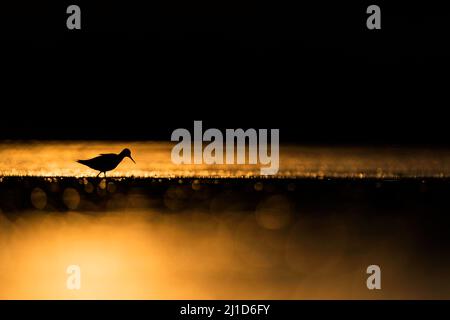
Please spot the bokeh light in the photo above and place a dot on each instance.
(38, 198)
(71, 198)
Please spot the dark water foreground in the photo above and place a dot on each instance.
(385, 197)
(232, 238)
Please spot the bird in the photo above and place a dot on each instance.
(107, 161)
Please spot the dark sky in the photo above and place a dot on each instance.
(139, 71)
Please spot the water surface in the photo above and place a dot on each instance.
(153, 160)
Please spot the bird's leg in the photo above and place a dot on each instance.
(104, 172)
(98, 174)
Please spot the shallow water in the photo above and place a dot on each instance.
(143, 255)
(235, 239)
(196, 238)
(153, 160)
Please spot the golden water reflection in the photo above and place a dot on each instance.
(196, 255)
(153, 160)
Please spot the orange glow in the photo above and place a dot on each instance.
(153, 160)
(147, 255)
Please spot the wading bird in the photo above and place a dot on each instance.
(106, 161)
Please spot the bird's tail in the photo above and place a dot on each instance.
(82, 161)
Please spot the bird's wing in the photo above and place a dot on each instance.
(107, 154)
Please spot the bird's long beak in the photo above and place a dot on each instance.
(132, 159)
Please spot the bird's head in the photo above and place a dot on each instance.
(127, 153)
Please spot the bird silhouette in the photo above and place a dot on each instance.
(106, 161)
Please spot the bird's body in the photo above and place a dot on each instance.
(106, 161)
